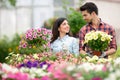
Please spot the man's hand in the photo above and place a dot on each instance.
(89, 54)
(103, 55)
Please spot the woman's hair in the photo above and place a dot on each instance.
(55, 32)
(90, 7)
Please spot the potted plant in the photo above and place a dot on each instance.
(98, 41)
(75, 21)
(35, 41)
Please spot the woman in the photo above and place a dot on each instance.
(61, 40)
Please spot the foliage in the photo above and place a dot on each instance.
(14, 43)
(35, 41)
(117, 54)
(63, 66)
(7, 46)
(16, 59)
(75, 21)
(62, 71)
(4, 46)
(12, 2)
(97, 40)
(49, 23)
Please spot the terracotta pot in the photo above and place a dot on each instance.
(97, 53)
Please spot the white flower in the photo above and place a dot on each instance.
(8, 68)
(24, 69)
(86, 66)
(70, 68)
(117, 61)
(111, 76)
(44, 67)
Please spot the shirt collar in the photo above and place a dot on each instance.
(66, 36)
(101, 23)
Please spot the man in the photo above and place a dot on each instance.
(90, 14)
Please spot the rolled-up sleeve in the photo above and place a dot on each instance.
(113, 43)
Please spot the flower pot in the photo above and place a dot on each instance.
(97, 53)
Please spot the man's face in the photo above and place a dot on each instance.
(87, 16)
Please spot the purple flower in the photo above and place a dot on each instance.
(35, 64)
(21, 65)
(31, 64)
(42, 63)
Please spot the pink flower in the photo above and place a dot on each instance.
(18, 76)
(96, 78)
(24, 45)
(36, 79)
(45, 32)
(43, 37)
(45, 78)
(39, 30)
(57, 71)
(48, 44)
(104, 68)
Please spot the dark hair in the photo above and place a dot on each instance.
(55, 32)
(90, 7)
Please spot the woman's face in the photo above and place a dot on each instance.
(64, 27)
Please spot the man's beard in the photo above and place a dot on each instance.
(89, 21)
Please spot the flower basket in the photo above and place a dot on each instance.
(97, 41)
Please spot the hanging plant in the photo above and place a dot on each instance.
(12, 2)
(7, 3)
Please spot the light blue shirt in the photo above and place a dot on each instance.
(66, 44)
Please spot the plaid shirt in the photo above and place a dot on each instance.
(102, 27)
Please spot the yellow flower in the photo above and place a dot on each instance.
(10, 50)
(95, 37)
(95, 57)
(35, 56)
(102, 38)
(86, 40)
(90, 38)
(16, 47)
(34, 47)
(83, 60)
(21, 36)
(102, 60)
(91, 60)
(87, 57)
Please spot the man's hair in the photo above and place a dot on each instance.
(90, 7)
